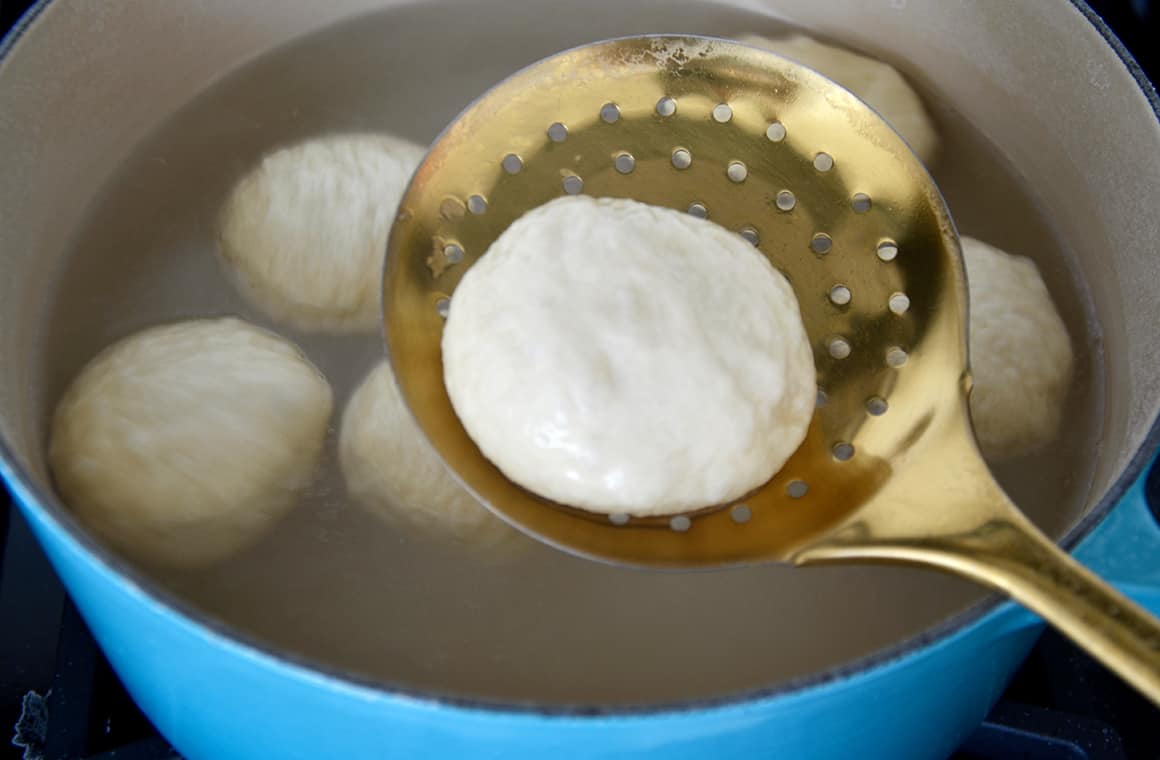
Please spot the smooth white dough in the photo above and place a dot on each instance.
(391, 470)
(184, 443)
(305, 233)
(877, 84)
(1021, 355)
(621, 357)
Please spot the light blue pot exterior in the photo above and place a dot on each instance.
(217, 698)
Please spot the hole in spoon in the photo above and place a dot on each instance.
(839, 348)
(840, 295)
(887, 250)
(477, 204)
(453, 252)
(737, 171)
(512, 164)
(843, 451)
(557, 132)
(899, 303)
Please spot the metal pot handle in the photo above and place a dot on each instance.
(1125, 548)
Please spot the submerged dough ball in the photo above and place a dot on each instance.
(876, 83)
(621, 357)
(183, 443)
(305, 233)
(392, 471)
(1021, 356)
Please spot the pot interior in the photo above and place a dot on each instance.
(135, 247)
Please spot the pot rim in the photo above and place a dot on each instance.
(44, 501)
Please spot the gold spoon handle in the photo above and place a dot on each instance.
(1009, 554)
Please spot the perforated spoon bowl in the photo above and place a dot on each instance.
(890, 471)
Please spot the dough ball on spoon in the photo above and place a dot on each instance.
(1021, 355)
(621, 357)
(304, 234)
(391, 470)
(878, 84)
(184, 443)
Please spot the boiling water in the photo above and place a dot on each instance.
(336, 586)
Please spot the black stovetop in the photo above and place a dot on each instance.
(59, 699)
